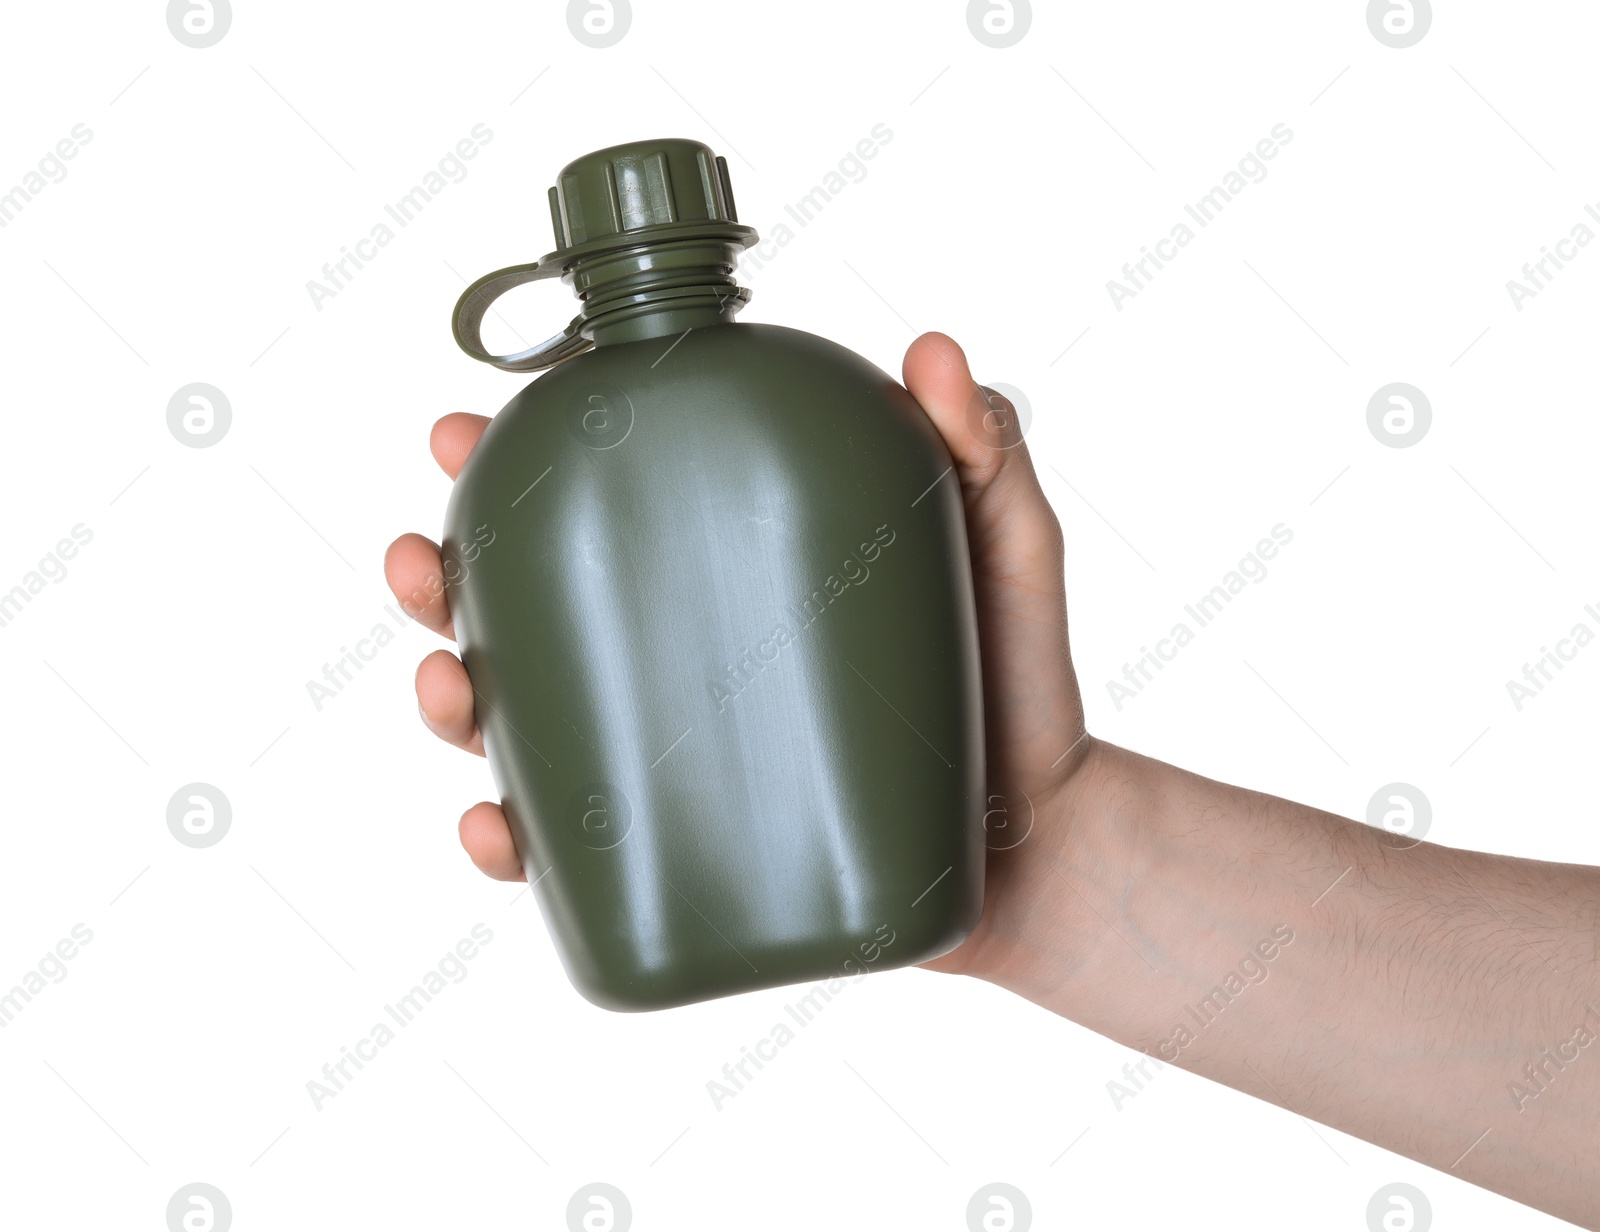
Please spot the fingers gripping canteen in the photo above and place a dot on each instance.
(711, 585)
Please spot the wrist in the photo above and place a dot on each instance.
(1143, 887)
(1040, 935)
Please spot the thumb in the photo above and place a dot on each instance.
(1033, 710)
(1013, 531)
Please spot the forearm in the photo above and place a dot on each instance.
(1396, 991)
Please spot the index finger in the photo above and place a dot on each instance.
(453, 438)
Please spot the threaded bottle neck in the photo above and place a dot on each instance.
(651, 290)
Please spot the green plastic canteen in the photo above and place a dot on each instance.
(711, 585)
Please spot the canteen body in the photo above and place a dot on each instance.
(711, 585)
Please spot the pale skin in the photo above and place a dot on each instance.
(1428, 994)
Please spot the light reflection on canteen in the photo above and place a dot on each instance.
(748, 663)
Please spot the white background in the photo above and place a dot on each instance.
(1172, 436)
